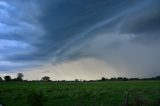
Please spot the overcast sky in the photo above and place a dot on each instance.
(84, 39)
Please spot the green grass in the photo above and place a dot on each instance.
(109, 93)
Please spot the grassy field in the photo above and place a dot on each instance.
(109, 93)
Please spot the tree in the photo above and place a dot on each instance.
(7, 78)
(113, 78)
(45, 78)
(20, 77)
(103, 79)
(76, 80)
(125, 79)
(120, 78)
(1, 79)
(157, 78)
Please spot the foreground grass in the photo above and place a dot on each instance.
(109, 93)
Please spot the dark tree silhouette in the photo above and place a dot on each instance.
(157, 78)
(45, 78)
(120, 78)
(1, 79)
(20, 77)
(125, 79)
(113, 78)
(103, 79)
(7, 78)
(76, 80)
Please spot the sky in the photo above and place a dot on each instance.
(80, 39)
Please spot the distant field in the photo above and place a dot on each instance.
(109, 93)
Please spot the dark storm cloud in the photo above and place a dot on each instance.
(63, 22)
(145, 23)
(64, 30)
(132, 41)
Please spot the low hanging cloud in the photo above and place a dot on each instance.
(123, 34)
(133, 42)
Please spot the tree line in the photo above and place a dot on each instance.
(128, 79)
(46, 78)
(20, 78)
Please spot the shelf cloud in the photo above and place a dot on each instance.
(124, 35)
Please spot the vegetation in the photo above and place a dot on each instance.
(105, 93)
(20, 76)
(7, 78)
(120, 91)
(45, 78)
(1, 79)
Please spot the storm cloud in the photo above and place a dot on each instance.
(122, 33)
